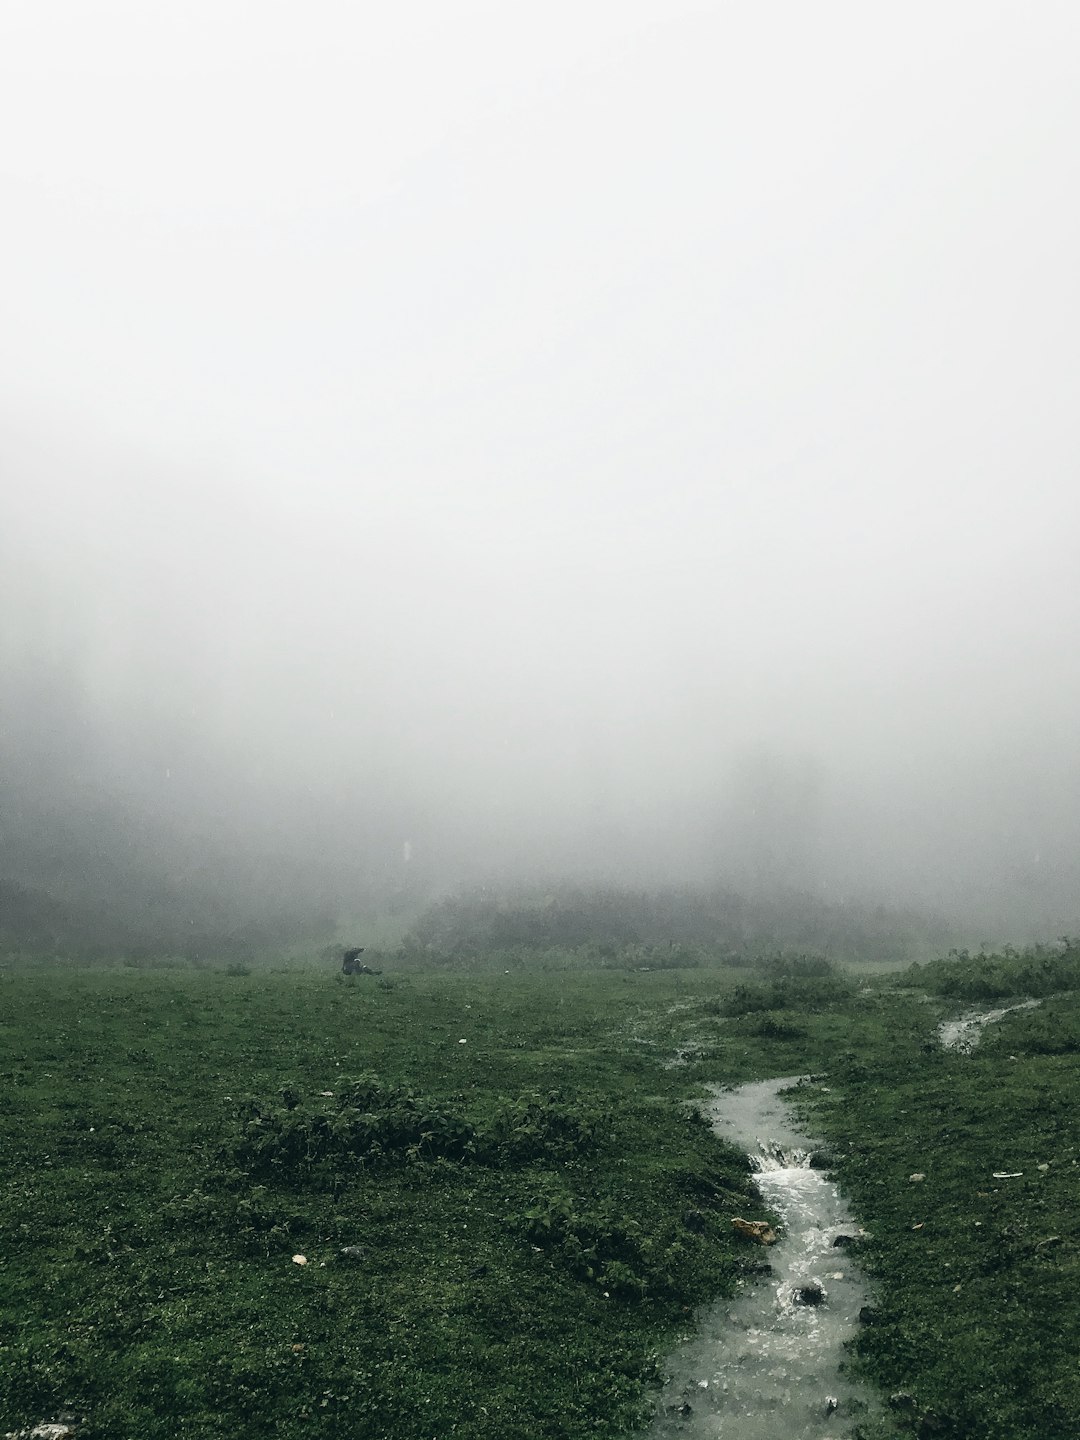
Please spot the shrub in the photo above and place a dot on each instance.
(370, 1122)
(531, 1129)
(808, 993)
(1039, 970)
(614, 1252)
(767, 1025)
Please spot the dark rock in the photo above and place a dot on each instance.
(869, 1316)
(809, 1294)
(694, 1220)
(685, 1410)
(901, 1400)
(842, 1241)
(351, 1252)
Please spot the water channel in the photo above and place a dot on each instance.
(964, 1033)
(766, 1365)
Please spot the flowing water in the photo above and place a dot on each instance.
(963, 1034)
(766, 1365)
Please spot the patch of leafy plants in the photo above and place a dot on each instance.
(618, 1252)
(371, 1122)
(791, 989)
(770, 1025)
(1036, 971)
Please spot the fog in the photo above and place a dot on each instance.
(629, 442)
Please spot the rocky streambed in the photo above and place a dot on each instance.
(768, 1365)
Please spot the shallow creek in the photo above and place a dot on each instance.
(765, 1365)
(964, 1033)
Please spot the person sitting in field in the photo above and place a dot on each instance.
(350, 963)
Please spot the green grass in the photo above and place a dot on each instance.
(532, 1216)
(979, 1277)
(523, 1288)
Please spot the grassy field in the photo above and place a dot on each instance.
(506, 1208)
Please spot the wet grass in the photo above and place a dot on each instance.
(965, 1170)
(979, 1275)
(504, 1235)
(503, 1224)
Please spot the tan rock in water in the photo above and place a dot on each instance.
(759, 1230)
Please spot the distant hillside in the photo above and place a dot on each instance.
(723, 921)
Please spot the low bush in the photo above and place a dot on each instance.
(532, 1128)
(370, 1122)
(614, 1251)
(1038, 970)
(799, 992)
(768, 1025)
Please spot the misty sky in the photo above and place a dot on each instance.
(624, 435)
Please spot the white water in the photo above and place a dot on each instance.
(764, 1366)
(963, 1034)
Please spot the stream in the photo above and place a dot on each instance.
(765, 1365)
(963, 1034)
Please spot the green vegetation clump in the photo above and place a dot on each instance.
(803, 984)
(766, 1025)
(597, 1242)
(371, 1122)
(532, 1128)
(1038, 970)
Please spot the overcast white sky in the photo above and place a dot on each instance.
(552, 403)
